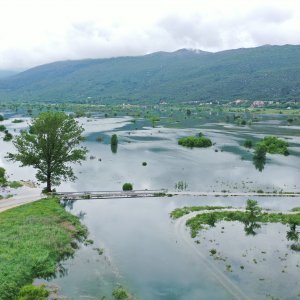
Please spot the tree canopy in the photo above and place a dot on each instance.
(50, 145)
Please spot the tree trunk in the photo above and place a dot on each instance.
(48, 183)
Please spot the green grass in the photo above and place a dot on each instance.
(33, 239)
(199, 222)
(179, 212)
(295, 209)
(15, 184)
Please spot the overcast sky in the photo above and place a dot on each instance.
(34, 32)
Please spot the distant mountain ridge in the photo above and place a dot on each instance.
(261, 73)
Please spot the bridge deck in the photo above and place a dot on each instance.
(110, 194)
(161, 193)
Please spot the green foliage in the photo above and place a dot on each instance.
(192, 141)
(144, 163)
(1, 118)
(273, 145)
(114, 140)
(33, 239)
(15, 184)
(119, 293)
(127, 186)
(248, 144)
(30, 292)
(2, 176)
(8, 136)
(185, 76)
(17, 121)
(250, 217)
(253, 211)
(295, 209)
(49, 146)
(179, 212)
(2, 128)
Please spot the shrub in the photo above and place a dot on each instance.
(127, 186)
(2, 176)
(8, 137)
(191, 141)
(114, 140)
(2, 128)
(120, 293)
(15, 184)
(248, 144)
(274, 145)
(30, 292)
(17, 121)
(1, 118)
(144, 163)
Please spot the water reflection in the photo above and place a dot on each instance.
(259, 163)
(293, 235)
(114, 148)
(69, 204)
(250, 227)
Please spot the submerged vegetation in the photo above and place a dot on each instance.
(33, 239)
(249, 218)
(179, 212)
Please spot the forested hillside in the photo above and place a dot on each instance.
(262, 73)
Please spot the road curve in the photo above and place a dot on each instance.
(24, 195)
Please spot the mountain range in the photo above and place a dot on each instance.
(261, 73)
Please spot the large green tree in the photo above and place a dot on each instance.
(50, 145)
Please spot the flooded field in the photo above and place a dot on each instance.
(135, 242)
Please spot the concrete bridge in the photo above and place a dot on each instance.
(164, 192)
(110, 194)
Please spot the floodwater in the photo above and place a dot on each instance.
(153, 256)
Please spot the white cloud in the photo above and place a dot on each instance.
(34, 32)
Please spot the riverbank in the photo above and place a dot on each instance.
(33, 239)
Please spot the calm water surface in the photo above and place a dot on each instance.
(153, 256)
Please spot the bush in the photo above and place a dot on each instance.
(30, 292)
(127, 186)
(144, 163)
(8, 136)
(191, 141)
(15, 184)
(1, 118)
(114, 140)
(2, 128)
(274, 145)
(120, 293)
(2, 176)
(248, 144)
(17, 121)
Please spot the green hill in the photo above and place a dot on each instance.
(262, 73)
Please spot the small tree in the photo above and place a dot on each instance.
(2, 176)
(49, 146)
(253, 211)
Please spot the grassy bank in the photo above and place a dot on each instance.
(33, 239)
(199, 222)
